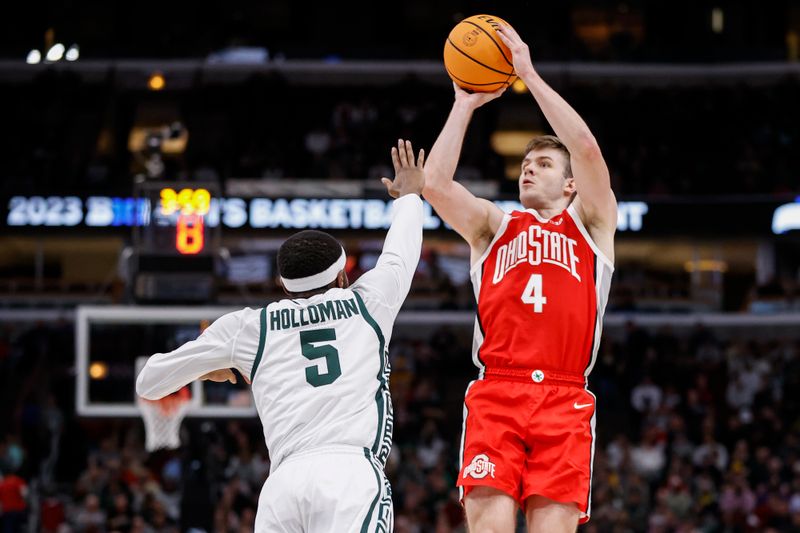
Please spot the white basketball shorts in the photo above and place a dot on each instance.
(331, 489)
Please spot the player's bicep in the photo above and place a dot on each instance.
(470, 216)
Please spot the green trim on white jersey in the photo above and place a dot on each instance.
(261, 341)
(382, 394)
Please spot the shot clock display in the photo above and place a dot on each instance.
(175, 219)
(190, 206)
(174, 248)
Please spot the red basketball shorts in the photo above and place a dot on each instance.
(529, 433)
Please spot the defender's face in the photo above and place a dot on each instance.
(541, 180)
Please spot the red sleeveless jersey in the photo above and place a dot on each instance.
(541, 287)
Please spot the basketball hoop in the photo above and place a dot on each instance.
(162, 419)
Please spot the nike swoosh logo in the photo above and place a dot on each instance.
(577, 405)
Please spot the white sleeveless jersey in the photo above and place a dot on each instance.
(319, 366)
(322, 375)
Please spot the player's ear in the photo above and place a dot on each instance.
(341, 280)
(569, 185)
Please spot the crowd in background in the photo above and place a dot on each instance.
(682, 140)
(694, 434)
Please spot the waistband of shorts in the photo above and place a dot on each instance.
(329, 449)
(536, 376)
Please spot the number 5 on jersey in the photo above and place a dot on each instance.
(330, 353)
(533, 293)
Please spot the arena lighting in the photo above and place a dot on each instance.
(34, 57)
(72, 53)
(705, 265)
(98, 370)
(519, 86)
(786, 217)
(156, 82)
(55, 53)
(717, 20)
(512, 142)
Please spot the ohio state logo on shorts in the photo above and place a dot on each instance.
(480, 467)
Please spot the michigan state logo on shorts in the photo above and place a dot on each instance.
(480, 467)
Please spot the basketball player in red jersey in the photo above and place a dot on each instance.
(541, 279)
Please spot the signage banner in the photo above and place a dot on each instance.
(734, 218)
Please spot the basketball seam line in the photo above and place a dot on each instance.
(475, 60)
(510, 64)
(476, 84)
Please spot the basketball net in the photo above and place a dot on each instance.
(162, 419)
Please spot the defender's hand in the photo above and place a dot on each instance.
(409, 176)
(221, 376)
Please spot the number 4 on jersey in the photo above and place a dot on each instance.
(533, 293)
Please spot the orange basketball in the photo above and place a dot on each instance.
(475, 57)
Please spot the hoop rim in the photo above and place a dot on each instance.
(171, 404)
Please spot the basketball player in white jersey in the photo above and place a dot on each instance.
(319, 369)
(541, 277)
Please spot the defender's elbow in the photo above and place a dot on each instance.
(142, 388)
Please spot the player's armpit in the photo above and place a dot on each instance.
(598, 212)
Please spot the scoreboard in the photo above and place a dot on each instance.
(175, 223)
(190, 206)
(175, 250)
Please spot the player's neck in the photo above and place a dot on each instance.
(309, 294)
(548, 210)
(549, 213)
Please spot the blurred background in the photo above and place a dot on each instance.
(155, 155)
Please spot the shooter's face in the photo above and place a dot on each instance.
(542, 180)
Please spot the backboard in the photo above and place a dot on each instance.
(110, 339)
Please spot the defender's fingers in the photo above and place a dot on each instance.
(421, 158)
(410, 153)
(395, 159)
(388, 184)
(401, 150)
